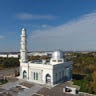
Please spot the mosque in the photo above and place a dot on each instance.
(50, 73)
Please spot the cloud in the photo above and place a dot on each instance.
(1, 37)
(28, 16)
(44, 26)
(79, 34)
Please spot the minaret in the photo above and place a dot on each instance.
(23, 49)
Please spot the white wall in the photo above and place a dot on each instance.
(43, 69)
(23, 66)
(63, 70)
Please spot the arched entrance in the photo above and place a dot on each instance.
(24, 74)
(48, 79)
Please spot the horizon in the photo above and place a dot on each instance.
(49, 51)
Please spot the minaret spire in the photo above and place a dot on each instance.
(23, 49)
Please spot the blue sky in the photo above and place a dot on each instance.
(50, 24)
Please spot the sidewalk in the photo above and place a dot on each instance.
(31, 91)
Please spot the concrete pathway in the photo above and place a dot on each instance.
(30, 91)
(9, 85)
(27, 92)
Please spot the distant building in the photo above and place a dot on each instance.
(40, 53)
(55, 71)
(13, 55)
(3, 55)
(6, 55)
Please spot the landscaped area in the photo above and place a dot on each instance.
(84, 66)
(3, 81)
(84, 85)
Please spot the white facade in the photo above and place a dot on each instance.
(42, 72)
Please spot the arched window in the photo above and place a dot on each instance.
(24, 74)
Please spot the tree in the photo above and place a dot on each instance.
(10, 62)
(94, 81)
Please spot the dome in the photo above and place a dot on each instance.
(57, 54)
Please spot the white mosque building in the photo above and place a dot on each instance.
(55, 71)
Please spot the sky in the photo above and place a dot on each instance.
(50, 24)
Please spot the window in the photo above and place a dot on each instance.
(59, 60)
(36, 76)
(54, 60)
(60, 75)
(24, 74)
(63, 73)
(56, 76)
